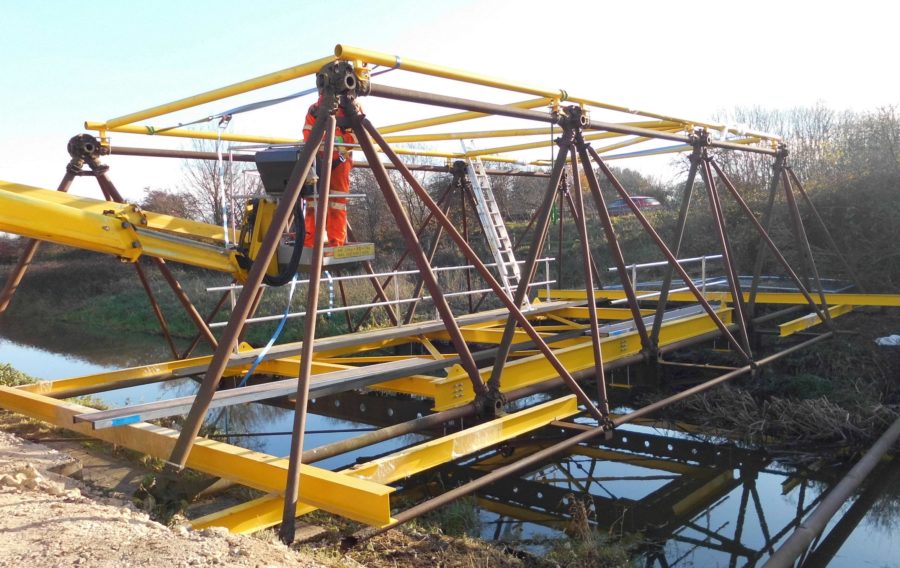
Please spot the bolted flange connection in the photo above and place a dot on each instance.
(86, 149)
(491, 404)
(700, 137)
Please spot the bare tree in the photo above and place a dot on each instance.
(217, 187)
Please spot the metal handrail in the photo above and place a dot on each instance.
(398, 301)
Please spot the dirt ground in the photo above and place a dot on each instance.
(48, 520)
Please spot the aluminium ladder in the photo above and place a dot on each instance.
(493, 224)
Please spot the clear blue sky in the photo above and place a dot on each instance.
(64, 62)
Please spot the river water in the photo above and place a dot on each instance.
(695, 502)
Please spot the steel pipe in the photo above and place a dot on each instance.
(292, 488)
(815, 523)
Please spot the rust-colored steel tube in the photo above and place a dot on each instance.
(295, 460)
(825, 231)
(612, 243)
(157, 311)
(815, 523)
(734, 285)
(397, 265)
(800, 235)
(541, 229)
(578, 214)
(766, 224)
(663, 298)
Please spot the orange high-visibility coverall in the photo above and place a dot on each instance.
(336, 221)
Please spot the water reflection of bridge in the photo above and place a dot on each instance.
(682, 492)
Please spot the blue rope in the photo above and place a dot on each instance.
(278, 331)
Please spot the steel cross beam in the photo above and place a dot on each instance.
(358, 499)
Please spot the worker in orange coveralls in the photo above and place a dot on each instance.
(342, 163)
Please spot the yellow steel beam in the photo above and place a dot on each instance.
(587, 138)
(25, 215)
(456, 389)
(99, 382)
(266, 511)
(521, 513)
(348, 53)
(456, 117)
(188, 133)
(439, 136)
(811, 320)
(224, 92)
(602, 313)
(153, 220)
(706, 494)
(886, 300)
(344, 495)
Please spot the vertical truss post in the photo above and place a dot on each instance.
(363, 128)
(777, 168)
(254, 279)
(766, 238)
(581, 220)
(686, 197)
(540, 235)
(800, 235)
(27, 256)
(737, 296)
(163, 324)
(514, 309)
(595, 187)
(824, 227)
(612, 241)
(292, 488)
